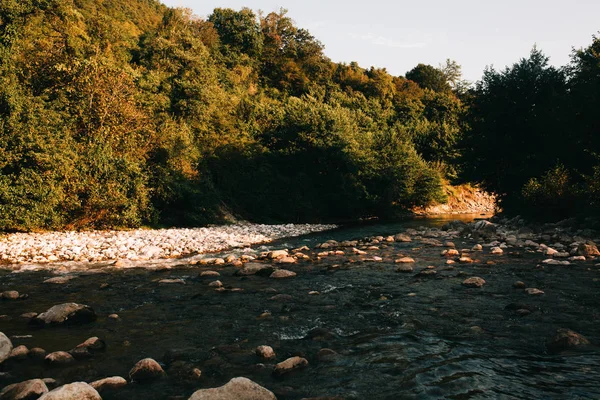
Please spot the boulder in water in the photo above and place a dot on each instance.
(238, 389)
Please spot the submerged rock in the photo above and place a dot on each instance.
(282, 274)
(65, 313)
(59, 358)
(289, 365)
(405, 260)
(109, 384)
(235, 389)
(588, 250)
(565, 339)
(474, 282)
(265, 352)
(146, 370)
(28, 390)
(73, 391)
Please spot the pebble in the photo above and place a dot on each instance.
(405, 268)
(146, 370)
(519, 285)
(405, 260)
(59, 358)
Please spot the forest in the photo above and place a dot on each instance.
(122, 114)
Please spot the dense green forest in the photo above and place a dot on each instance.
(118, 114)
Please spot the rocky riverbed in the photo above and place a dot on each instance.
(455, 310)
(140, 244)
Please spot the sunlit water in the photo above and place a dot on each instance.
(398, 336)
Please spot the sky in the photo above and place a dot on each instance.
(398, 35)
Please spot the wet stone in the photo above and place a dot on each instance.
(28, 390)
(474, 282)
(146, 370)
(289, 365)
(565, 339)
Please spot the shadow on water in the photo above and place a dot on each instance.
(397, 336)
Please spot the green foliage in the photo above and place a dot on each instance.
(119, 114)
(429, 77)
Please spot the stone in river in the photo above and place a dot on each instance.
(73, 391)
(209, 274)
(282, 274)
(474, 282)
(534, 291)
(565, 339)
(496, 250)
(405, 260)
(5, 347)
(519, 285)
(146, 370)
(265, 352)
(588, 250)
(109, 384)
(59, 358)
(28, 390)
(65, 313)
(402, 238)
(172, 281)
(9, 295)
(289, 365)
(235, 389)
(253, 268)
(405, 268)
(275, 254)
(19, 353)
(59, 280)
(216, 284)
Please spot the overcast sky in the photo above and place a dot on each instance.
(398, 35)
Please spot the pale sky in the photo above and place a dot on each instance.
(400, 34)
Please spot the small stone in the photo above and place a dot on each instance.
(325, 355)
(314, 293)
(551, 261)
(465, 260)
(113, 316)
(273, 255)
(265, 352)
(59, 280)
(282, 274)
(519, 285)
(281, 297)
(109, 384)
(474, 282)
(10, 295)
(402, 238)
(405, 260)
(534, 291)
(209, 274)
(59, 358)
(37, 353)
(405, 268)
(289, 365)
(359, 252)
(177, 281)
(477, 247)
(19, 353)
(496, 251)
(216, 284)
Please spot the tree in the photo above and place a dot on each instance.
(429, 77)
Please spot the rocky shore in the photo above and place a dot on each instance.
(140, 244)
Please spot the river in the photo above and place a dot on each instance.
(397, 336)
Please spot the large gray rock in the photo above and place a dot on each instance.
(28, 390)
(73, 391)
(235, 389)
(5, 347)
(65, 313)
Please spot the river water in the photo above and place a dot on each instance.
(398, 336)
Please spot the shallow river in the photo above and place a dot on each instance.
(398, 336)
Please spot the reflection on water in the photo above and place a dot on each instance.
(397, 336)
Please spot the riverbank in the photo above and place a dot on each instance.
(139, 244)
